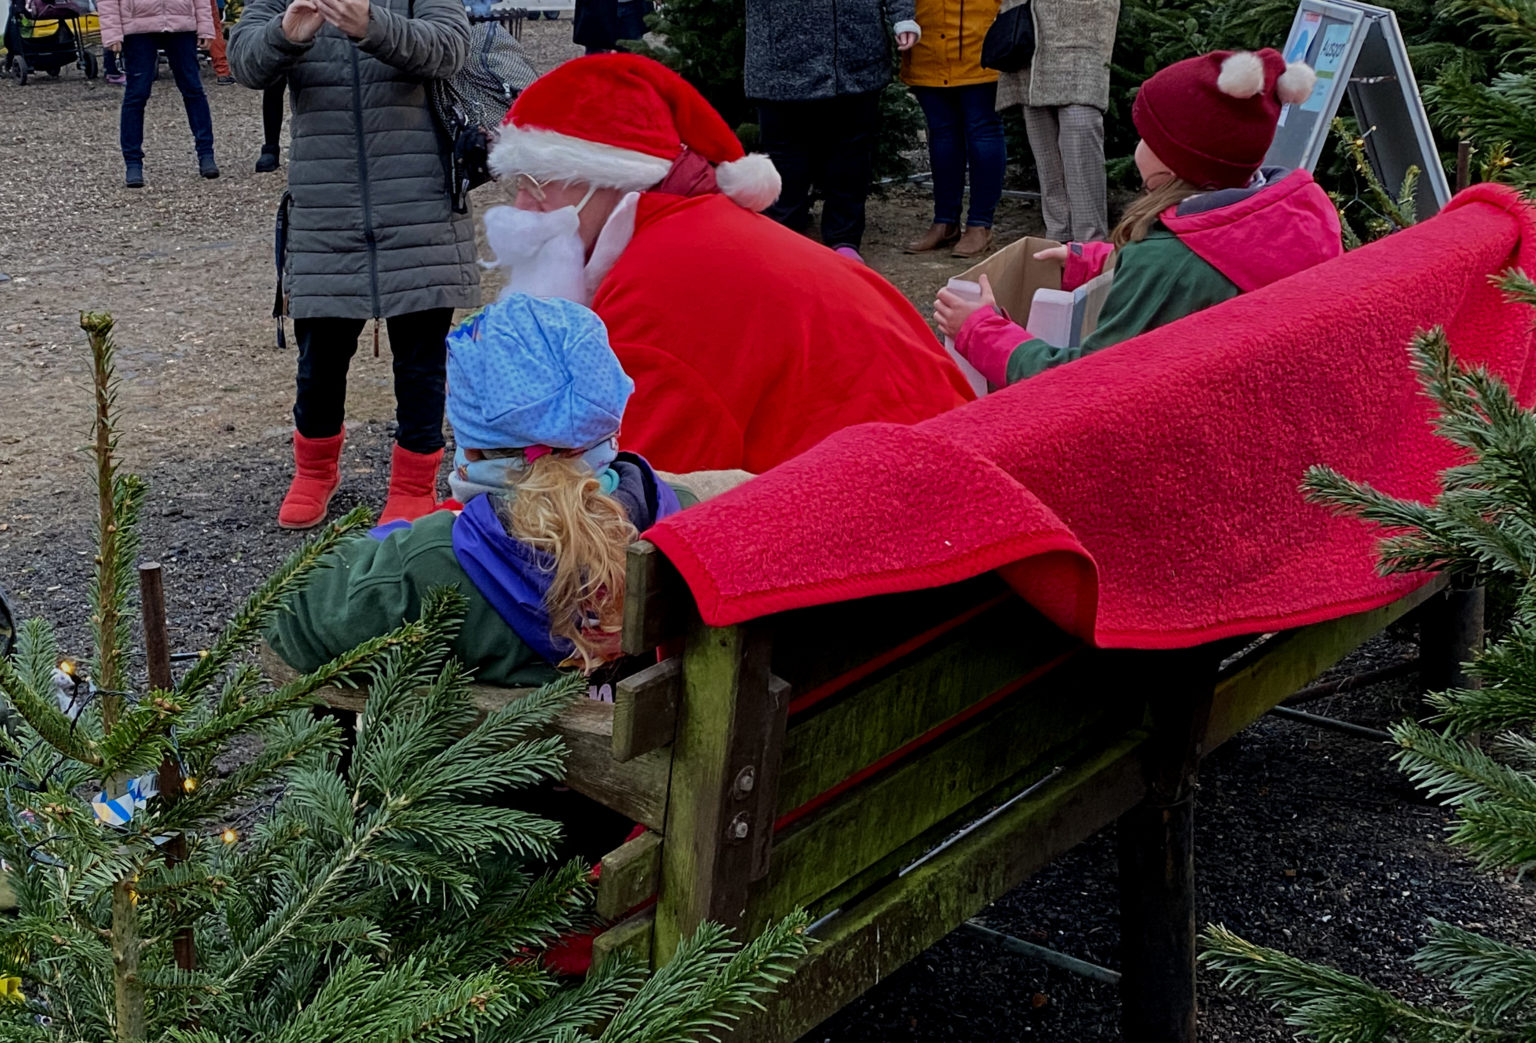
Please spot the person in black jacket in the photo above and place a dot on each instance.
(816, 69)
(599, 25)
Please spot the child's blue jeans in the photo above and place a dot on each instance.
(140, 59)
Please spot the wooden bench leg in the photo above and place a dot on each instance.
(1157, 922)
(1156, 842)
(1450, 635)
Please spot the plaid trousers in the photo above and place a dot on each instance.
(1068, 143)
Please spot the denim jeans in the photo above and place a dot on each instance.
(418, 345)
(964, 130)
(830, 143)
(140, 59)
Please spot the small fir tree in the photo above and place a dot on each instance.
(283, 898)
(1482, 528)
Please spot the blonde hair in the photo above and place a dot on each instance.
(559, 508)
(1142, 214)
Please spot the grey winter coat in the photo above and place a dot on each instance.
(1074, 40)
(802, 50)
(372, 233)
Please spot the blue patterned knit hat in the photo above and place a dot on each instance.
(534, 371)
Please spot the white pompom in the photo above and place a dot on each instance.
(1242, 75)
(1295, 84)
(752, 181)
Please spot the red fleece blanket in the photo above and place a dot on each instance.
(1148, 495)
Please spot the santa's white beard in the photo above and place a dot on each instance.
(541, 252)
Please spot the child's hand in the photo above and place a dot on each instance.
(1058, 254)
(951, 310)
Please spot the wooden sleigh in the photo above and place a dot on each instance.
(895, 764)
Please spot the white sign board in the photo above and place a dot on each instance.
(1358, 52)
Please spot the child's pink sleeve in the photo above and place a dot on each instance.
(987, 340)
(1084, 261)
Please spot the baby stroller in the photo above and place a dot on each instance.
(28, 52)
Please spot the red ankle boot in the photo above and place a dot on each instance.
(316, 476)
(412, 485)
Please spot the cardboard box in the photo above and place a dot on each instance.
(1015, 275)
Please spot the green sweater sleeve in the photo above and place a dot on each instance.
(1157, 281)
(368, 587)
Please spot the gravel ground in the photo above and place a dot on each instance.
(1308, 841)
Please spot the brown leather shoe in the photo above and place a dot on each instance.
(975, 242)
(936, 238)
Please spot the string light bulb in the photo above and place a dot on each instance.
(67, 666)
(189, 784)
(229, 836)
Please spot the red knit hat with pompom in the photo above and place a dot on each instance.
(1212, 118)
(621, 121)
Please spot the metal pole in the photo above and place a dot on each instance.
(1354, 681)
(1332, 724)
(1050, 957)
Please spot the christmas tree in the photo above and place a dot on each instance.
(191, 863)
(1486, 95)
(1481, 529)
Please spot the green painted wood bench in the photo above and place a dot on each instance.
(896, 764)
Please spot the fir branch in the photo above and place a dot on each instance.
(1498, 980)
(27, 683)
(604, 991)
(1329, 1006)
(245, 626)
(1454, 772)
(704, 988)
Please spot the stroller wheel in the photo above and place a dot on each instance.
(19, 70)
(92, 68)
(53, 74)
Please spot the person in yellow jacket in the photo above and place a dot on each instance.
(959, 100)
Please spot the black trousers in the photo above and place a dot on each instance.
(830, 143)
(418, 344)
(273, 99)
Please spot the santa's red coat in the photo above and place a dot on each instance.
(748, 344)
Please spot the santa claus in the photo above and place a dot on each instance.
(747, 343)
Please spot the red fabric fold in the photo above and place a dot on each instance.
(1148, 495)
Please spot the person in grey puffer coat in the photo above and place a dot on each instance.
(816, 69)
(372, 233)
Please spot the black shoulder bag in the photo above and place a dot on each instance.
(1009, 45)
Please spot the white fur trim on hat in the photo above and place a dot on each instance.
(751, 181)
(551, 156)
(1242, 75)
(1295, 84)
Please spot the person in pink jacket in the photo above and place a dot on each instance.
(138, 30)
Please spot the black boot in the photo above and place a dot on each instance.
(133, 176)
(267, 161)
(207, 167)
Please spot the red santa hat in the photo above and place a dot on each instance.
(621, 121)
(1212, 118)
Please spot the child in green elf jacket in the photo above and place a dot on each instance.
(1212, 223)
(550, 506)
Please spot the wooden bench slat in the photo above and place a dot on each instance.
(645, 709)
(813, 647)
(637, 788)
(1046, 721)
(867, 943)
(893, 708)
(657, 603)
(634, 936)
(1249, 688)
(629, 876)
